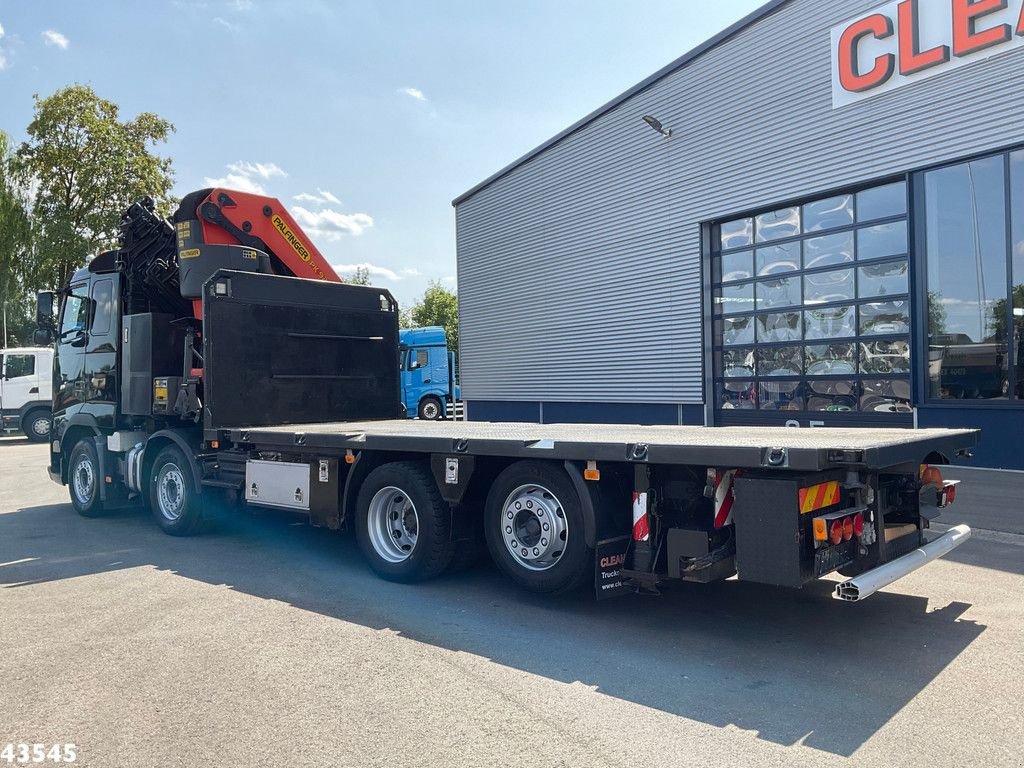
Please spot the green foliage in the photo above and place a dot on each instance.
(15, 245)
(88, 166)
(439, 306)
(360, 277)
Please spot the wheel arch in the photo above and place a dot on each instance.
(76, 428)
(160, 440)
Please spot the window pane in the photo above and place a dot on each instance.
(829, 287)
(1017, 207)
(965, 208)
(884, 279)
(737, 363)
(781, 327)
(883, 357)
(890, 317)
(737, 234)
(781, 396)
(832, 396)
(778, 258)
(829, 250)
(836, 322)
(782, 292)
(778, 224)
(780, 361)
(20, 365)
(734, 298)
(736, 394)
(828, 214)
(103, 300)
(737, 330)
(885, 396)
(882, 202)
(76, 316)
(832, 360)
(737, 266)
(882, 240)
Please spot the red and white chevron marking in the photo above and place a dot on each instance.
(724, 498)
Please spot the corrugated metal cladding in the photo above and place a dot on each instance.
(580, 270)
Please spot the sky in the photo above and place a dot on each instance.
(365, 118)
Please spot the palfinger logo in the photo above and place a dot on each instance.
(297, 245)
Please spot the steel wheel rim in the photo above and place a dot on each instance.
(41, 427)
(393, 524)
(84, 481)
(431, 410)
(170, 492)
(534, 527)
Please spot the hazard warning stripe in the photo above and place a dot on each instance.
(819, 496)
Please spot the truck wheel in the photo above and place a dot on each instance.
(533, 522)
(402, 524)
(84, 479)
(36, 425)
(176, 505)
(431, 409)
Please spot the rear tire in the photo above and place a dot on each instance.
(403, 526)
(176, 505)
(533, 522)
(84, 479)
(431, 409)
(36, 425)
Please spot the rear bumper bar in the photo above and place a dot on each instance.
(868, 583)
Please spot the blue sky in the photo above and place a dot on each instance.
(365, 118)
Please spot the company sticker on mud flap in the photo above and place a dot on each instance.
(610, 559)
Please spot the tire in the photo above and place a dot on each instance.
(533, 508)
(176, 505)
(84, 479)
(431, 409)
(403, 526)
(36, 425)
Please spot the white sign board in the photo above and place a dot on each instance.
(905, 41)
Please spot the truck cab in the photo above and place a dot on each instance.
(25, 391)
(428, 373)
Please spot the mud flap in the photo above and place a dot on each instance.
(609, 560)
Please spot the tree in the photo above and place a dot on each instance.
(88, 166)
(15, 246)
(360, 277)
(439, 306)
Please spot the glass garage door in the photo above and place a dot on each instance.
(811, 313)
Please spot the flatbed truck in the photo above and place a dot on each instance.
(217, 359)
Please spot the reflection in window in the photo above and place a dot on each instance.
(832, 323)
(737, 234)
(965, 208)
(885, 396)
(735, 298)
(738, 330)
(779, 327)
(103, 300)
(828, 214)
(882, 202)
(778, 292)
(780, 361)
(832, 360)
(737, 363)
(829, 287)
(1017, 283)
(75, 317)
(832, 396)
(778, 258)
(16, 366)
(737, 394)
(882, 240)
(884, 357)
(890, 317)
(737, 266)
(781, 396)
(828, 250)
(777, 225)
(886, 279)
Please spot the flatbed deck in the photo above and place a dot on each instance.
(734, 447)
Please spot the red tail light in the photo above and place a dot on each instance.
(847, 529)
(858, 524)
(836, 531)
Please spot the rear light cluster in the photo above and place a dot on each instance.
(838, 527)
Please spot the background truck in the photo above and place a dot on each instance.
(218, 359)
(429, 390)
(25, 394)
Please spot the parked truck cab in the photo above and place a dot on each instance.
(25, 391)
(428, 373)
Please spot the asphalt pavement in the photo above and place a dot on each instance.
(266, 642)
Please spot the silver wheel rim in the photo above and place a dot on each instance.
(41, 427)
(534, 527)
(431, 410)
(84, 480)
(393, 524)
(170, 492)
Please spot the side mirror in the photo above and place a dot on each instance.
(42, 337)
(44, 309)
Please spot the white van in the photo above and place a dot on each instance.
(26, 391)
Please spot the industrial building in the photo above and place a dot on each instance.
(814, 218)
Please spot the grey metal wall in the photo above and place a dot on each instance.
(580, 270)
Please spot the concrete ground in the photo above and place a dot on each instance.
(268, 643)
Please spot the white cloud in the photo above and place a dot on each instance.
(241, 5)
(239, 181)
(1, 31)
(225, 23)
(305, 197)
(329, 197)
(243, 176)
(331, 225)
(322, 197)
(55, 38)
(449, 280)
(413, 93)
(263, 170)
(371, 269)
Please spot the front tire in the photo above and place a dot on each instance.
(403, 526)
(84, 479)
(431, 409)
(533, 522)
(173, 498)
(36, 425)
